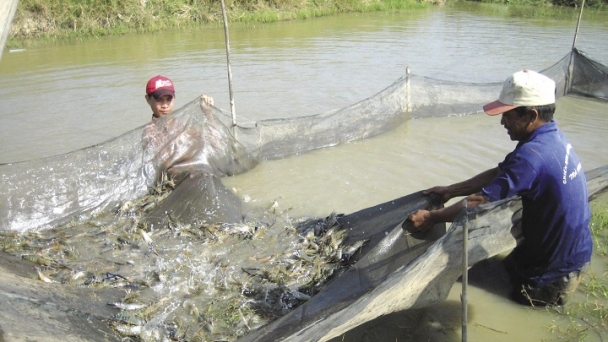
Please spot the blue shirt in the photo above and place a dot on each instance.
(545, 171)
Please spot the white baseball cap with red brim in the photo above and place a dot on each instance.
(523, 88)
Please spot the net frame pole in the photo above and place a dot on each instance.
(568, 80)
(7, 13)
(408, 105)
(465, 267)
(227, 38)
(578, 24)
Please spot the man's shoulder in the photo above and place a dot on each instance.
(546, 140)
(534, 156)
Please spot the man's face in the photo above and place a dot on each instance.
(161, 106)
(518, 126)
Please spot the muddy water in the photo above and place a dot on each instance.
(417, 155)
(57, 99)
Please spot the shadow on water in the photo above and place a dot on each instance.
(490, 275)
(440, 323)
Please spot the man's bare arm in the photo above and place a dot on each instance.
(424, 220)
(465, 188)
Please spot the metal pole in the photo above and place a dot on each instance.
(232, 110)
(465, 267)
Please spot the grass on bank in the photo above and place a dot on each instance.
(56, 20)
(38, 22)
(563, 3)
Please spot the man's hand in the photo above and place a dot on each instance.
(421, 220)
(442, 191)
(206, 100)
(206, 103)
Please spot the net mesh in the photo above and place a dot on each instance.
(43, 193)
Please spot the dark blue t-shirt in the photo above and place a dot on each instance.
(547, 174)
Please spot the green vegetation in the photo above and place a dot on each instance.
(40, 21)
(565, 3)
(587, 316)
(599, 226)
(66, 19)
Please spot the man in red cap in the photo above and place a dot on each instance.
(168, 143)
(546, 173)
(160, 95)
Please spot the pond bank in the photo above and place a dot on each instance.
(40, 22)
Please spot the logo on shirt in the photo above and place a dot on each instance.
(572, 174)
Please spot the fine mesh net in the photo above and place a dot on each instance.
(42, 193)
(197, 145)
(46, 192)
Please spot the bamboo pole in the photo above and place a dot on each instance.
(227, 37)
(465, 268)
(578, 24)
(407, 90)
(568, 81)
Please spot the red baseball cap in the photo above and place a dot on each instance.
(160, 85)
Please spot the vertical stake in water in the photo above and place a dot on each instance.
(465, 267)
(578, 24)
(568, 82)
(226, 35)
(7, 12)
(407, 90)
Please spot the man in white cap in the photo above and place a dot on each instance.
(546, 173)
